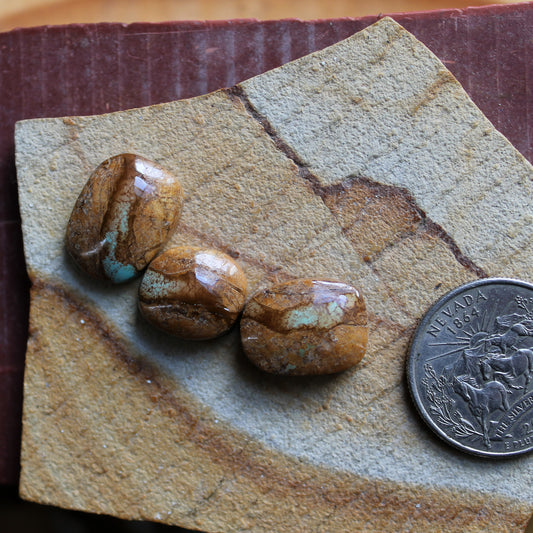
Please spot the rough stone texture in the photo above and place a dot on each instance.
(418, 133)
(96, 68)
(119, 420)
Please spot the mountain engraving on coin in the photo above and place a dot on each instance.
(470, 367)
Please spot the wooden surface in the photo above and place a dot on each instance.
(26, 13)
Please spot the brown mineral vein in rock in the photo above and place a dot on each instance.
(333, 447)
(383, 214)
(389, 212)
(422, 134)
(191, 441)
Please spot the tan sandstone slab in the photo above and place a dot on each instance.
(365, 162)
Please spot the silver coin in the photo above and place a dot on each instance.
(470, 367)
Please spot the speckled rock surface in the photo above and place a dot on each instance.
(375, 168)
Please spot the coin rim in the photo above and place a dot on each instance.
(412, 360)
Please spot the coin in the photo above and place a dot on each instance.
(470, 367)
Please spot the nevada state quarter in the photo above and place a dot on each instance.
(470, 367)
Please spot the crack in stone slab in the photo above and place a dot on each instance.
(324, 191)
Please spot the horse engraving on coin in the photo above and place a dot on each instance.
(470, 367)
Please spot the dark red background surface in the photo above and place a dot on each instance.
(90, 69)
